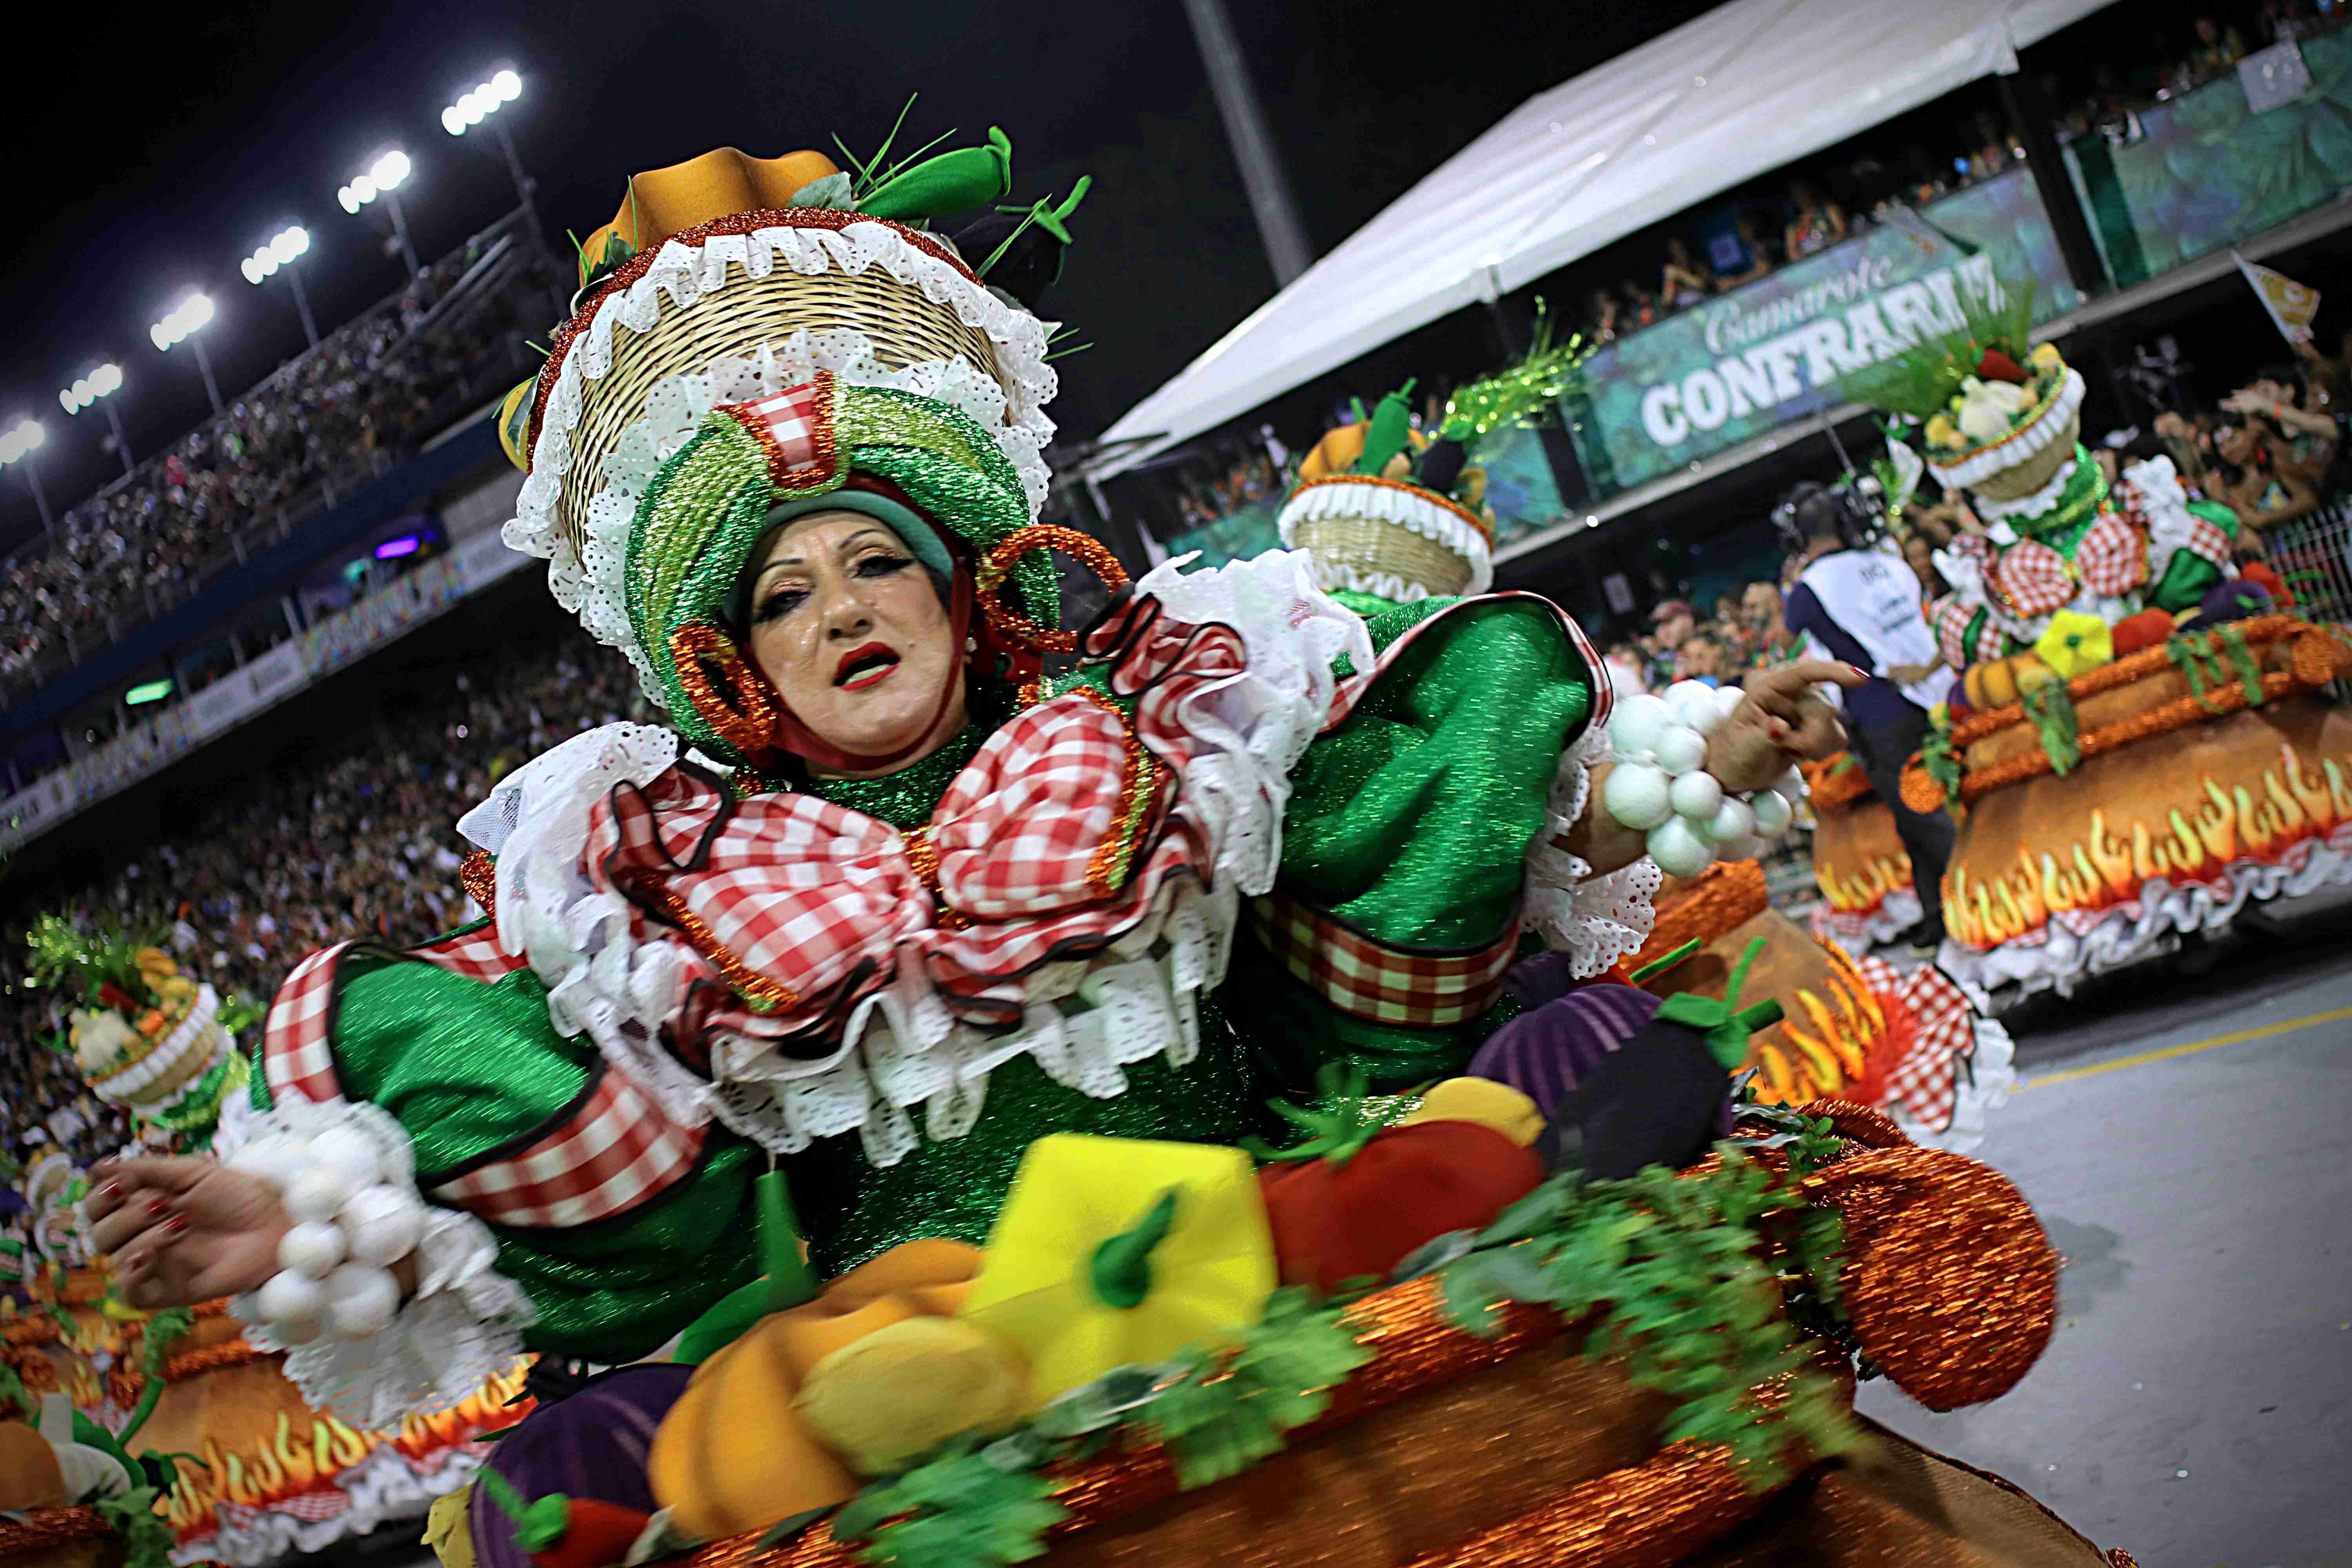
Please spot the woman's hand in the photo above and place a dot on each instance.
(1781, 719)
(183, 1231)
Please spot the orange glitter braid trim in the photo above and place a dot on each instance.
(1830, 785)
(780, 472)
(1106, 869)
(924, 857)
(744, 713)
(1019, 631)
(478, 875)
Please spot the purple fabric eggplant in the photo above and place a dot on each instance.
(1546, 1052)
(591, 1445)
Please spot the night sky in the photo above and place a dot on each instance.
(163, 145)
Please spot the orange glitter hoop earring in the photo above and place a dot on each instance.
(733, 698)
(1019, 631)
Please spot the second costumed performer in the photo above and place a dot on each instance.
(890, 901)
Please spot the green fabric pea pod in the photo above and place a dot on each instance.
(950, 183)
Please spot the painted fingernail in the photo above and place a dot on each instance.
(152, 1205)
(136, 1263)
(175, 1225)
(110, 1190)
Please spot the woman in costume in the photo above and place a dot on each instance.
(891, 901)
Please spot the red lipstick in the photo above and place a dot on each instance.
(863, 667)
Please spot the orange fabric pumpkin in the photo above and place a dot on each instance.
(1998, 682)
(29, 1474)
(732, 1454)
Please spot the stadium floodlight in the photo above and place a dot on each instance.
(185, 324)
(384, 178)
(103, 382)
(483, 104)
(472, 108)
(95, 388)
(285, 247)
(18, 445)
(20, 440)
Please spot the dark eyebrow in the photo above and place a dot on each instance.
(849, 545)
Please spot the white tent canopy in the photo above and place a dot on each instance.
(1741, 91)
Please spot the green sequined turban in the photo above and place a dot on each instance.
(707, 508)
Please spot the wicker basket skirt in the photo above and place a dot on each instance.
(905, 328)
(1371, 546)
(2012, 484)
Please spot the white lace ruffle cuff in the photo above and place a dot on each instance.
(1596, 920)
(462, 1325)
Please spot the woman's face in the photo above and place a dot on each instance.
(846, 626)
(2235, 443)
(1918, 556)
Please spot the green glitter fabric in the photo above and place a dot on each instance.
(466, 1068)
(705, 508)
(1413, 818)
(907, 799)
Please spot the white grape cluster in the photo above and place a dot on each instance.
(350, 1225)
(1660, 785)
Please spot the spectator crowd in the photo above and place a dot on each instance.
(1911, 163)
(364, 398)
(364, 845)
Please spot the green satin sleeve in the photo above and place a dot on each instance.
(471, 1070)
(1413, 818)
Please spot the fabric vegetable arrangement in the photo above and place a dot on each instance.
(1116, 1251)
(1349, 1204)
(1660, 1098)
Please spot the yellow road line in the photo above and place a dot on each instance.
(2191, 1049)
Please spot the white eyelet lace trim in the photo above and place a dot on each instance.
(463, 1326)
(1402, 507)
(1598, 919)
(692, 276)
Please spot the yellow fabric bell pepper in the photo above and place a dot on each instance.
(2075, 641)
(1112, 1251)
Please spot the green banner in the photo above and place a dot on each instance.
(1745, 362)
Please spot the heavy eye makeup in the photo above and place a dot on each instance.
(784, 598)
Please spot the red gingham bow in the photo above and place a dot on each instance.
(1923, 1084)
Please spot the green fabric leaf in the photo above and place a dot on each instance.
(147, 1539)
(831, 192)
(2052, 713)
(950, 183)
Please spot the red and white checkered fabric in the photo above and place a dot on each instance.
(611, 1150)
(794, 429)
(295, 1057)
(1951, 619)
(1411, 988)
(2032, 578)
(2112, 557)
(610, 1153)
(2207, 540)
(822, 901)
(1923, 1085)
(474, 954)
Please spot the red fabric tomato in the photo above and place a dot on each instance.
(2149, 628)
(1334, 1223)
